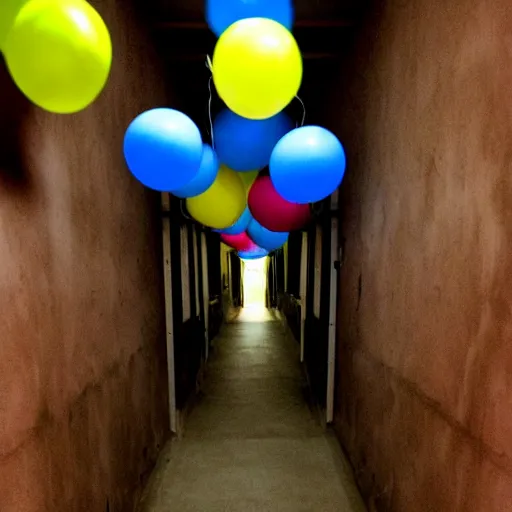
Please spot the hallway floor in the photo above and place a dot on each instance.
(252, 443)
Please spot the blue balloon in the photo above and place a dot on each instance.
(307, 164)
(204, 179)
(264, 238)
(220, 14)
(246, 144)
(255, 254)
(163, 149)
(239, 226)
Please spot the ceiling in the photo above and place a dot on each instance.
(323, 29)
(305, 10)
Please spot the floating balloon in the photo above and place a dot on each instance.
(257, 67)
(240, 225)
(273, 211)
(240, 242)
(264, 238)
(59, 54)
(9, 9)
(255, 254)
(205, 177)
(246, 144)
(163, 149)
(220, 14)
(222, 204)
(307, 164)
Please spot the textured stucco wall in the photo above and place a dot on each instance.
(425, 328)
(83, 394)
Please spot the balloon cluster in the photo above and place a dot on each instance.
(257, 71)
(58, 52)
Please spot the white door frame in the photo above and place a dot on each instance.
(333, 306)
(317, 274)
(171, 382)
(230, 279)
(303, 291)
(185, 274)
(206, 292)
(195, 252)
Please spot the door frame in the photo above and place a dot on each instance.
(197, 284)
(333, 307)
(303, 292)
(169, 318)
(206, 293)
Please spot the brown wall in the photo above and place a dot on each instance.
(425, 354)
(83, 400)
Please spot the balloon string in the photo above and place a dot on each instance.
(210, 110)
(303, 110)
(183, 211)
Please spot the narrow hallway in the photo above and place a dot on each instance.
(252, 443)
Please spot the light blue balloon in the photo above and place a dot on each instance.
(163, 149)
(264, 238)
(239, 226)
(307, 165)
(204, 179)
(255, 254)
(246, 144)
(220, 14)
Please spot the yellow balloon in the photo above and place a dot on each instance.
(257, 67)
(248, 178)
(222, 204)
(9, 9)
(59, 54)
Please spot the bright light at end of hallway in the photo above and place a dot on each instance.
(254, 282)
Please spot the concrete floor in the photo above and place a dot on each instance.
(252, 443)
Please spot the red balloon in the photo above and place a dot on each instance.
(241, 242)
(273, 211)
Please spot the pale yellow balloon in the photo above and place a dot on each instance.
(9, 9)
(59, 54)
(257, 67)
(223, 203)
